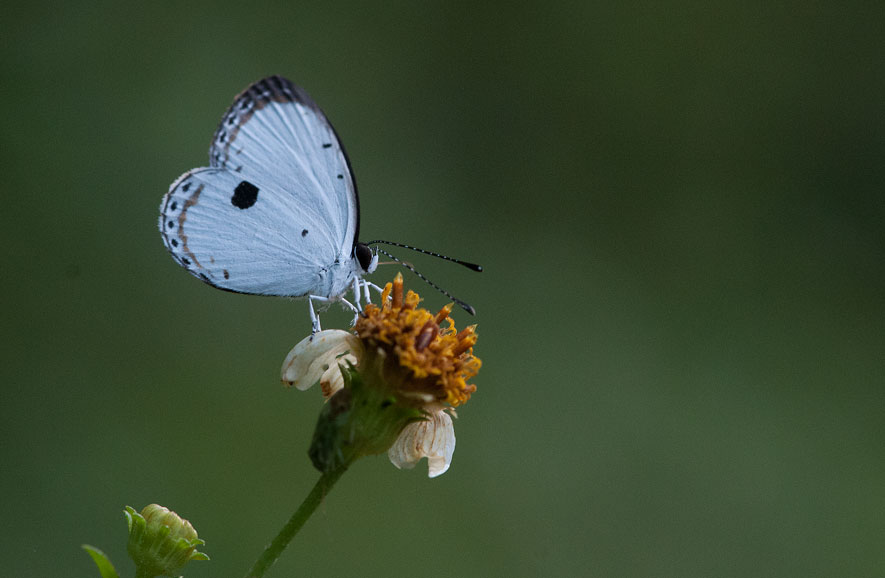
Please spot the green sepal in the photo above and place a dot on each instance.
(105, 568)
(362, 418)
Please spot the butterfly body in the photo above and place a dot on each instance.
(276, 212)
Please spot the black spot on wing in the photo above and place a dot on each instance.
(244, 195)
(327, 145)
(304, 233)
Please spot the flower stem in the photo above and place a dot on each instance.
(304, 511)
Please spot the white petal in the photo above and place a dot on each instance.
(433, 439)
(315, 360)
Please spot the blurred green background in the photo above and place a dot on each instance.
(680, 210)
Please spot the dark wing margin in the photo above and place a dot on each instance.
(258, 95)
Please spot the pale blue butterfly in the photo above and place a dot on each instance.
(276, 212)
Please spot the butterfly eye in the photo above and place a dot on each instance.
(364, 257)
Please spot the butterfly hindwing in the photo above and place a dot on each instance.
(242, 235)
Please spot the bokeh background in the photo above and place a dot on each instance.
(679, 208)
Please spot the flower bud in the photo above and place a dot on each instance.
(161, 542)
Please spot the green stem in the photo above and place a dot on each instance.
(307, 507)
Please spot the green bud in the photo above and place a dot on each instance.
(161, 542)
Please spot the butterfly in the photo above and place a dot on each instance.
(276, 212)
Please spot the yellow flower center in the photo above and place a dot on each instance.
(436, 361)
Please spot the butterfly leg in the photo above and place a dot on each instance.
(357, 294)
(368, 295)
(354, 308)
(348, 303)
(314, 318)
(366, 285)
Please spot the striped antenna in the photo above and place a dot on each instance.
(471, 266)
(468, 308)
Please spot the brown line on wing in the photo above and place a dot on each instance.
(260, 94)
(190, 202)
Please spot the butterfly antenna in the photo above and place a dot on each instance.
(467, 307)
(471, 266)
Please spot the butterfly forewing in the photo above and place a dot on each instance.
(275, 129)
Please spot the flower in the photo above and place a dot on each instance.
(399, 359)
(161, 542)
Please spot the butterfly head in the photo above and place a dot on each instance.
(367, 259)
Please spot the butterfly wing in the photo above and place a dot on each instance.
(275, 128)
(243, 235)
(278, 205)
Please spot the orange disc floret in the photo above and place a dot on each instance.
(437, 361)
